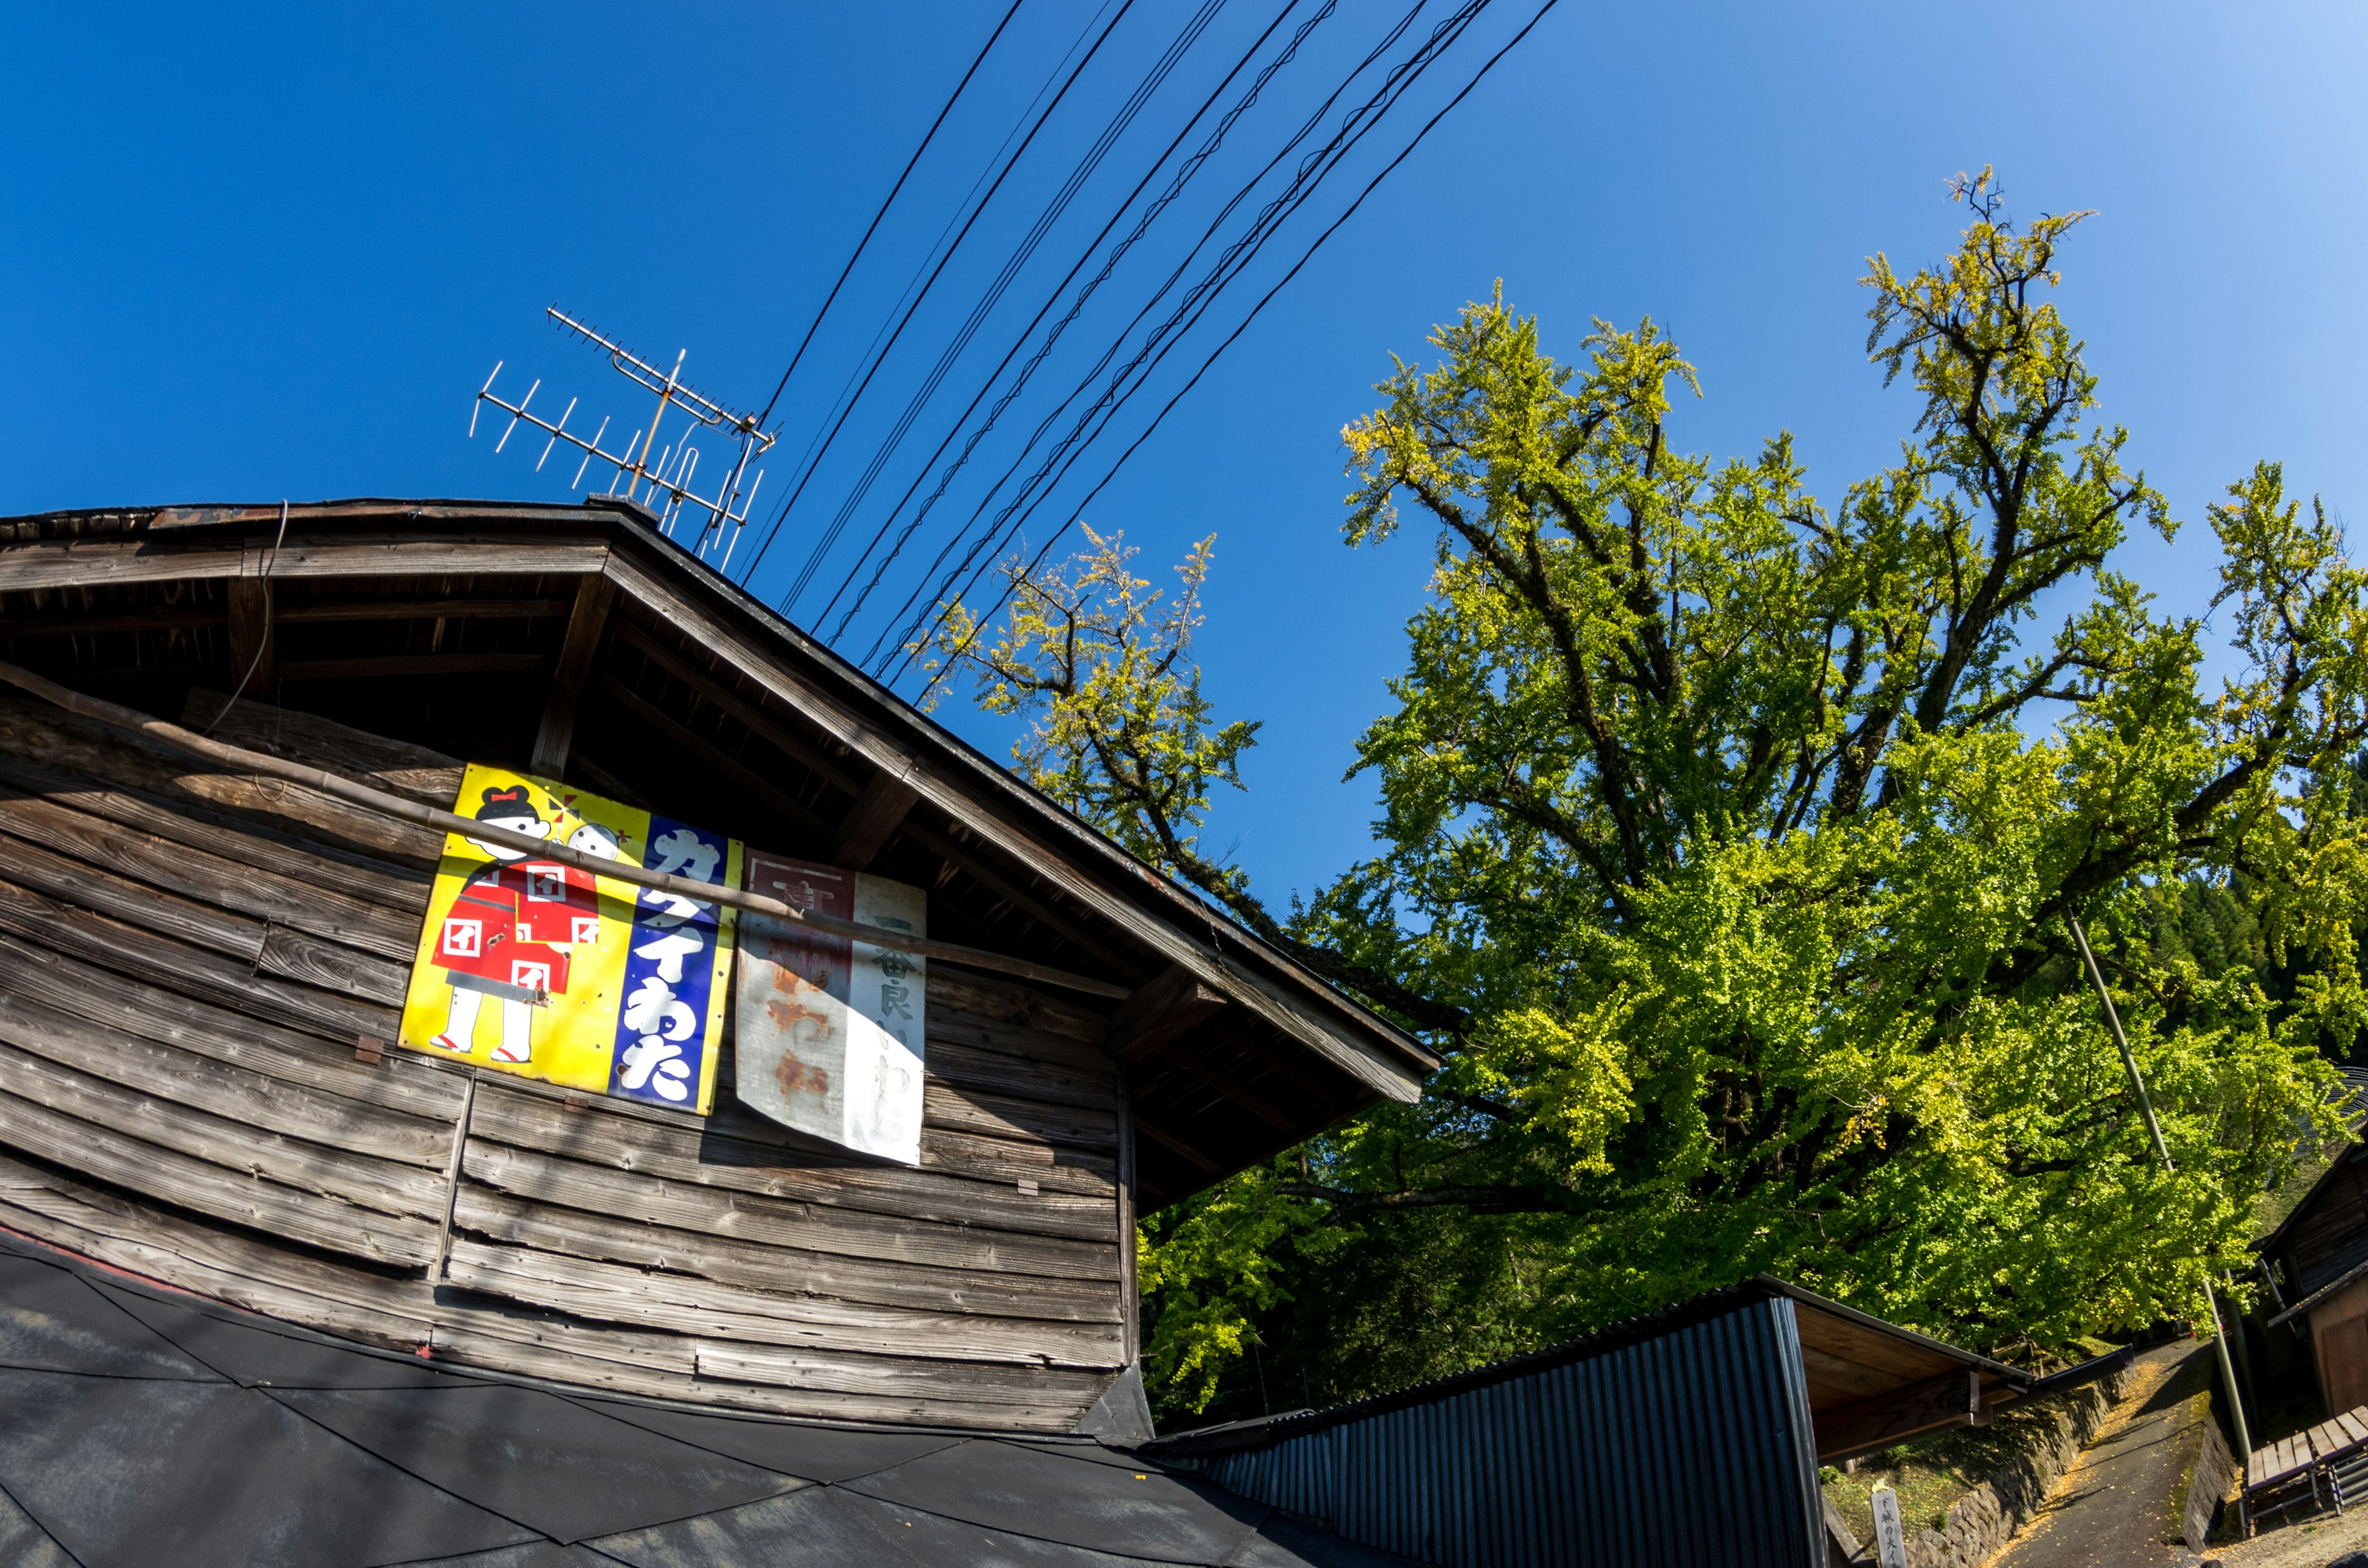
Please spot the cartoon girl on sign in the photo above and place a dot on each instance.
(508, 934)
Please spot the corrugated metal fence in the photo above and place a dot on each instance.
(1691, 1446)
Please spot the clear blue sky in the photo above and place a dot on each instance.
(264, 252)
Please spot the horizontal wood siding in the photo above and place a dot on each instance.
(187, 958)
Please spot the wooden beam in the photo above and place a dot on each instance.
(556, 736)
(875, 816)
(816, 755)
(252, 666)
(1952, 1399)
(1161, 1008)
(430, 609)
(1175, 1145)
(1256, 1104)
(715, 756)
(396, 665)
(177, 618)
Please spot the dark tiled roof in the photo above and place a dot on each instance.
(141, 1427)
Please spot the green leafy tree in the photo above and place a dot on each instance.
(1728, 836)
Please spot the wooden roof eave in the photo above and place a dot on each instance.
(953, 777)
(853, 710)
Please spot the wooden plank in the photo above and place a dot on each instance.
(1062, 1170)
(968, 1068)
(1163, 1007)
(399, 888)
(555, 737)
(229, 1268)
(252, 663)
(396, 666)
(180, 618)
(678, 1303)
(320, 908)
(997, 1001)
(983, 1382)
(869, 822)
(1951, 1399)
(410, 1086)
(742, 776)
(398, 766)
(112, 945)
(499, 1217)
(1032, 1049)
(296, 956)
(27, 866)
(82, 563)
(341, 610)
(712, 1157)
(274, 949)
(269, 1106)
(97, 1150)
(48, 735)
(999, 1116)
(746, 1217)
(405, 1314)
(383, 1185)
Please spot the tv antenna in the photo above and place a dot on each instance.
(664, 485)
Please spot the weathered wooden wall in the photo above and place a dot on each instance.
(187, 960)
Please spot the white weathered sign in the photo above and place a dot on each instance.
(1890, 1538)
(829, 1031)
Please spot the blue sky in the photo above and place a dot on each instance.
(264, 252)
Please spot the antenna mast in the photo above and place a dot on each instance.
(665, 485)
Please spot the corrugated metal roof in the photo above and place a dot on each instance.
(1666, 1320)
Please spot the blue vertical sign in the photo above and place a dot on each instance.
(670, 971)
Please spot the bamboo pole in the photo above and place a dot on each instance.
(2162, 1151)
(395, 806)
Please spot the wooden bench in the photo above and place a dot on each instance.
(2334, 1452)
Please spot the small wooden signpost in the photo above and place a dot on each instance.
(1890, 1538)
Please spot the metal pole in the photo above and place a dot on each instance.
(2162, 1150)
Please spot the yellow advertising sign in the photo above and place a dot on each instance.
(530, 966)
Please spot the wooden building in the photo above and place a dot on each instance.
(2318, 1259)
(201, 963)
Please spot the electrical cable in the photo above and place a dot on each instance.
(1216, 223)
(1119, 123)
(1046, 549)
(937, 245)
(1183, 176)
(1065, 453)
(910, 164)
(1073, 446)
(780, 517)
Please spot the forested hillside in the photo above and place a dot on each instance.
(1729, 835)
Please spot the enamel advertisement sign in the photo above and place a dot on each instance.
(831, 1029)
(530, 966)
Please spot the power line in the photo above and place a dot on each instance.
(782, 515)
(1065, 453)
(1070, 449)
(1079, 511)
(1086, 167)
(1183, 175)
(1264, 215)
(910, 164)
(938, 245)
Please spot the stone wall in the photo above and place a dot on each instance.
(1984, 1519)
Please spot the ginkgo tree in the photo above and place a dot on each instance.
(1728, 835)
